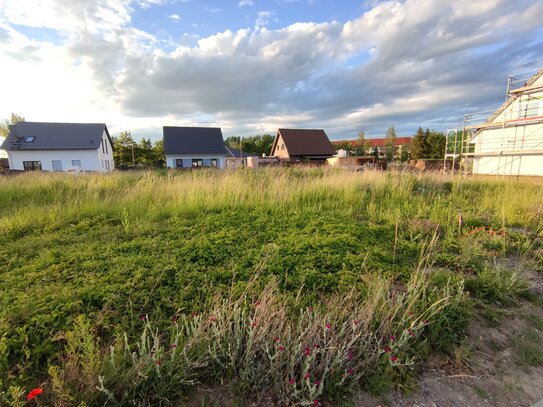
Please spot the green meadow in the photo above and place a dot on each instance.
(295, 285)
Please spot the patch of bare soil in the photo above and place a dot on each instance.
(497, 366)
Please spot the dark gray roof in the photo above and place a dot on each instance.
(193, 141)
(234, 152)
(55, 136)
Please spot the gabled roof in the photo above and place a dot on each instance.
(193, 141)
(234, 152)
(305, 142)
(55, 136)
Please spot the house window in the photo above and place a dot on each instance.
(103, 147)
(76, 163)
(197, 162)
(529, 109)
(213, 162)
(107, 165)
(57, 165)
(105, 142)
(29, 139)
(32, 165)
(178, 163)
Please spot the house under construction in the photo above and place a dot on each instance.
(507, 141)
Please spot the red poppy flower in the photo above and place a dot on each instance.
(276, 339)
(157, 362)
(212, 318)
(291, 381)
(307, 351)
(258, 303)
(316, 402)
(33, 393)
(316, 346)
(281, 348)
(349, 371)
(307, 376)
(386, 349)
(174, 346)
(142, 317)
(317, 382)
(328, 326)
(392, 337)
(253, 324)
(393, 358)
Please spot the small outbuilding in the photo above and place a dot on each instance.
(302, 145)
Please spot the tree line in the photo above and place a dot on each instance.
(426, 144)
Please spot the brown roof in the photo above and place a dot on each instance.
(305, 142)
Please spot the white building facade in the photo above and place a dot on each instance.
(510, 142)
(59, 147)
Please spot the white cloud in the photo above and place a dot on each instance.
(174, 17)
(402, 63)
(243, 3)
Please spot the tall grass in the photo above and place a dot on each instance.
(83, 257)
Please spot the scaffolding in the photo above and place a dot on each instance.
(502, 137)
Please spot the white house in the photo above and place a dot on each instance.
(194, 147)
(3, 153)
(59, 147)
(510, 141)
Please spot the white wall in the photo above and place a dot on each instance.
(517, 148)
(3, 153)
(105, 154)
(89, 159)
(187, 160)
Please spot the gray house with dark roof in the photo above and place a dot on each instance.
(40, 146)
(194, 147)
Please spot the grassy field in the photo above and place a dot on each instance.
(297, 285)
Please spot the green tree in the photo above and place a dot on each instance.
(158, 153)
(435, 145)
(405, 153)
(145, 152)
(124, 149)
(390, 144)
(343, 145)
(4, 125)
(418, 145)
(362, 144)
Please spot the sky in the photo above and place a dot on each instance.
(252, 66)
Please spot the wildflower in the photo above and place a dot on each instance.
(307, 376)
(425, 322)
(211, 318)
(194, 314)
(350, 355)
(316, 346)
(291, 381)
(316, 402)
(389, 317)
(281, 348)
(174, 319)
(393, 358)
(392, 338)
(307, 351)
(318, 382)
(33, 393)
(174, 346)
(157, 362)
(328, 326)
(355, 322)
(276, 339)
(410, 314)
(253, 324)
(257, 303)
(386, 349)
(142, 317)
(349, 371)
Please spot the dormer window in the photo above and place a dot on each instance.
(29, 139)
